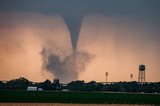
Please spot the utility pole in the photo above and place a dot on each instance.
(106, 74)
(131, 76)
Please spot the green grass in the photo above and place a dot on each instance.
(77, 97)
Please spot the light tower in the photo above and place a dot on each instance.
(141, 75)
(131, 76)
(106, 74)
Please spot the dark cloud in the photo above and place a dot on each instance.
(72, 7)
(73, 11)
(67, 68)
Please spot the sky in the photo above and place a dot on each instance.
(38, 39)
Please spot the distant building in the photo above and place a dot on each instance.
(32, 88)
(65, 90)
(40, 89)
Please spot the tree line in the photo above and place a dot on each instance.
(78, 85)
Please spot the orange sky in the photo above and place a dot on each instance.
(118, 45)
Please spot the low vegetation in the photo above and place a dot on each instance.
(77, 97)
(80, 92)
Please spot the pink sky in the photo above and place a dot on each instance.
(118, 44)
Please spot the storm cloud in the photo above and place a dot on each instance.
(115, 31)
(65, 68)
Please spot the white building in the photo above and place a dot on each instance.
(40, 89)
(32, 88)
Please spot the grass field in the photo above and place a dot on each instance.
(77, 97)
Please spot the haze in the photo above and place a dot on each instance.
(116, 35)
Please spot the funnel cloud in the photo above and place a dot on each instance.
(74, 25)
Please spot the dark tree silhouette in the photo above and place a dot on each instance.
(22, 84)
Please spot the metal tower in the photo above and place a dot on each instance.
(141, 75)
(106, 74)
(131, 76)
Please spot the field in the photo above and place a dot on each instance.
(77, 97)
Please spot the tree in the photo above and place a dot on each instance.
(19, 84)
(2, 85)
(76, 86)
(56, 85)
(46, 85)
(91, 86)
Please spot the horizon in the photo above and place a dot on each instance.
(103, 82)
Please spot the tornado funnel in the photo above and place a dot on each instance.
(74, 25)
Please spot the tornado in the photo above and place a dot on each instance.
(68, 68)
(74, 24)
